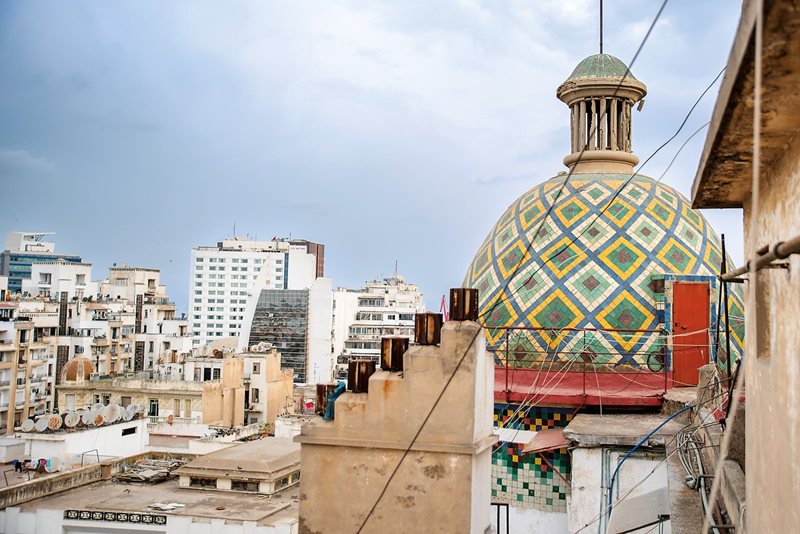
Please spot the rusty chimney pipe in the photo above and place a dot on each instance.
(322, 396)
(392, 350)
(463, 304)
(358, 373)
(428, 328)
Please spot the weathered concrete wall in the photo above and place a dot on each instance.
(591, 474)
(531, 521)
(431, 491)
(443, 485)
(773, 380)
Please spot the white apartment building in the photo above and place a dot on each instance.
(123, 324)
(361, 317)
(222, 278)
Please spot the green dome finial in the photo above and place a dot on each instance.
(600, 66)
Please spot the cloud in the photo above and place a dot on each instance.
(17, 159)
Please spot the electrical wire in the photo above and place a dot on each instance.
(479, 330)
(701, 425)
(608, 204)
(574, 166)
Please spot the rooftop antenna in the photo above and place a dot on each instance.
(234, 222)
(395, 268)
(601, 26)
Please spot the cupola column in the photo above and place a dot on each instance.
(601, 93)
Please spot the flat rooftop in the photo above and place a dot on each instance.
(622, 429)
(258, 457)
(236, 506)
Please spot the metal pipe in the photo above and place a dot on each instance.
(777, 251)
(727, 316)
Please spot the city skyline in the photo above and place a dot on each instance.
(148, 136)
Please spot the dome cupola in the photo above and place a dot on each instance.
(601, 93)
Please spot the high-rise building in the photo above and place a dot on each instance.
(361, 317)
(297, 322)
(222, 278)
(23, 249)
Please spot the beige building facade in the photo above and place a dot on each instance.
(772, 237)
(443, 483)
(216, 402)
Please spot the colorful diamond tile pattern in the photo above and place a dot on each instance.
(525, 480)
(603, 279)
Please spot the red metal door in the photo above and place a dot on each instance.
(690, 322)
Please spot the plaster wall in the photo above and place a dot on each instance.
(591, 475)
(443, 485)
(108, 440)
(773, 368)
(530, 521)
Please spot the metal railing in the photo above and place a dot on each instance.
(591, 352)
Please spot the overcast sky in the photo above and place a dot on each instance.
(392, 130)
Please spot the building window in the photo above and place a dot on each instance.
(125, 401)
(106, 399)
(244, 485)
(153, 408)
(281, 483)
(70, 399)
(256, 368)
(197, 482)
(216, 374)
(129, 431)
(80, 279)
(198, 260)
(254, 394)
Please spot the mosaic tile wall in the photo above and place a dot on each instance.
(606, 278)
(525, 480)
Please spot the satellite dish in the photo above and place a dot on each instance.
(41, 424)
(98, 406)
(27, 425)
(52, 465)
(111, 413)
(72, 419)
(86, 417)
(127, 414)
(98, 419)
(54, 422)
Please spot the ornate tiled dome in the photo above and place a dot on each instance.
(77, 369)
(599, 252)
(605, 279)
